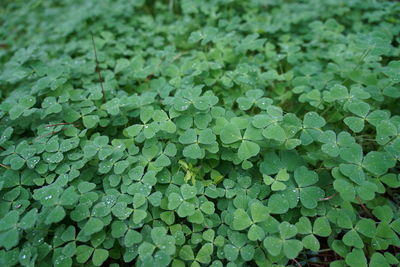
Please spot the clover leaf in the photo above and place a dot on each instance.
(308, 192)
(311, 130)
(277, 182)
(290, 247)
(199, 133)
(248, 148)
(253, 97)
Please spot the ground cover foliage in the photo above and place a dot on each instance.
(223, 133)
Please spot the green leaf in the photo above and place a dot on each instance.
(366, 227)
(28, 221)
(17, 163)
(188, 191)
(356, 258)
(69, 197)
(352, 154)
(85, 187)
(207, 207)
(287, 230)
(132, 237)
(310, 196)
(322, 227)
(247, 252)
(120, 166)
(146, 249)
(139, 215)
(383, 213)
(359, 108)
(256, 233)
(186, 253)
(292, 248)
(259, 212)
(345, 189)
(230, 134)
(180, 136)
(193, 151)
(204, 254)
(90, 121)
(118, 229)
(174, 200)
(377, 163)
(282, 175)
(304, 226)
(278, 204)
(27, 101)
(330, 145)
(278, 186)
(241, 220)
(313, 120)
(55, 215)
(93, 225)
(207, 137)
(273, 245)
(244, 103)
(248, 149)
(311, 242)
(16, 111)
(9, 239)
(83, 253)
(339, 92)
(356, 124)
(133, 130)
(99, 256)
(231, 252)
(186, 209)
(378, 260)
(9, 220)
(188, 137)
(275, 132)
(305, 177)
(351, 238)
(122, 64)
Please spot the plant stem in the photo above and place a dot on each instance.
(98, 70)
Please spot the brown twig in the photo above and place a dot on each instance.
(297, 263)
(54, 132)
(178, 56)
(98, 70)
(328, 198)
(51, 133)
(4, 166)
(365, 208)
(149, 77)
(58, 124)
